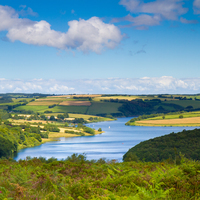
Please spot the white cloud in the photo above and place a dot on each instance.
(85, 35)
(168, 9)
(196, 5)
(145, 85)
(154, 12)
(140, 20)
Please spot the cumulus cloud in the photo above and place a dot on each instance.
(154, 12)
(85, 35)
(145, 85)
(168, 9)
(196, 5)
(143, 19)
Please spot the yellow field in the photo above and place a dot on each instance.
(75, 103)
(192, 121)
(51, 99)
(43, 103)
(21, 121)
(80, 95)
(116, 97)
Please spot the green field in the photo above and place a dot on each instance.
(70, 109)
(103, 108)
(185, 103)
(33, 108)
(95, 108)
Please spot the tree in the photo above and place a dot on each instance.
(180, 116)
(66, 115)
(52, 118)
(59, 116)
(163, 116)
(100, 130)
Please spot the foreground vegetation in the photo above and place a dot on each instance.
(79, 179)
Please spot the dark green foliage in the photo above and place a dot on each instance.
(4, 114)
(180, 116)
(7, 148)
(141, 117)
(59, 116)
(88, 130)
(76, 178)
(48, 111)
(51, 128)
(168, 147)
(52, 106)
(44, 134)
(43, 117)
(52, 118)
(75, 132)
(66, 115)
(79, 120)
(135, 107)
(100, 130)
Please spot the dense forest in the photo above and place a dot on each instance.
(170, 146)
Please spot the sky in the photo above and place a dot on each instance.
(100, 46)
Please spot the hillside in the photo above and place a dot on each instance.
(170, 146)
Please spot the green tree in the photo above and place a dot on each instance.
(52, 118)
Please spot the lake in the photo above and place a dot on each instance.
(112, 144)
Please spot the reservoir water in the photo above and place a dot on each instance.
(112, 144)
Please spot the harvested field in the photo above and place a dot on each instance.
(192, 121)
(75, 103)
(80, 95)
(116, 97)
(21, 121)
(43, 103)
(51, 99)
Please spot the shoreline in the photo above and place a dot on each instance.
(66, 135)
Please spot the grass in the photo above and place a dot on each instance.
(69, 109)
(185, 103)
(103, 108)
(33, 108)
(165, 106)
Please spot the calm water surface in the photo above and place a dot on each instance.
(112, 144)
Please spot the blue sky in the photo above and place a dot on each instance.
(93, 46)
